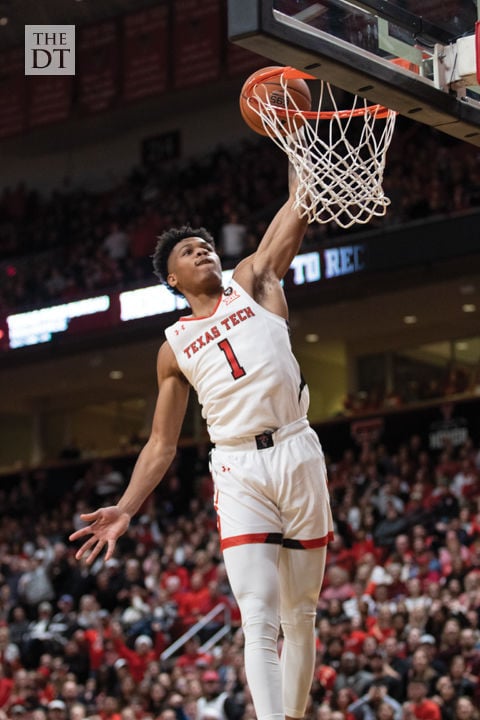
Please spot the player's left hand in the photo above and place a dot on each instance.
(106, 526)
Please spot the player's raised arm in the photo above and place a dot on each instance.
(284, 235)
(282, 239)
(105, 525)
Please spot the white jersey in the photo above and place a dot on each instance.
(213, 709)
(239, 360)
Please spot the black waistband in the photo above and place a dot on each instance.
(264, 440)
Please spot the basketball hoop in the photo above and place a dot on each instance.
(338, 155)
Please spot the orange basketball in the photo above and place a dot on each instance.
(272, 90)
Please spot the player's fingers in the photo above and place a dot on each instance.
(97, 549)
(88, 517)
(110, 549)
(85, 547)
(80, 533)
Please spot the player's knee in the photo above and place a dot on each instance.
(259, 617)
(302, 617)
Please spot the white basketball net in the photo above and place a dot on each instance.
(338, 158)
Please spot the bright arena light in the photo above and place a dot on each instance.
(37, 326)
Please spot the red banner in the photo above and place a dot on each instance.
(12, 92)
(49, 99)
(197, 42)
(145, 53)
(97, 66)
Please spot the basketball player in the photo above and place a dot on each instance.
(267, 464)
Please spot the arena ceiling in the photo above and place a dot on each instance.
(18, 13)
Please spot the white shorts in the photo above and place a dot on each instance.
(272, 488)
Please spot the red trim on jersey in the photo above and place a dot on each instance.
(190, 318)
(250, 538)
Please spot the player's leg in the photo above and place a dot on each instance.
(301, 576)
(307, 528)
(253, 574)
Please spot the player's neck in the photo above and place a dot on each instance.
(204, 304)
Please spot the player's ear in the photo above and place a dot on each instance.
(172, 279)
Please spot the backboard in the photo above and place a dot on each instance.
(418, 57)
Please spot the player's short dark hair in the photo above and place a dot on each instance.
(165, 244)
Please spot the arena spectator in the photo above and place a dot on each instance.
(446, 697)
(108, 708)
(211, 705)
(34, 584)
(78, 711)
(40, 638)
(453, 549)
(396, 660)
(465, 709)
(137, 658)
(56, 710)
(350, 675)
(6, 685)
(233, 238)
(77, 657)
(428, 644)
(384, 675)
(337, 585)
(418, 705)
(192, 656)
(63, 623)
(422, 671)
(88, 611)
(450, 640)
(464, 686)
(367, 707)
(71, 693)
(470, 651)
(116, 242)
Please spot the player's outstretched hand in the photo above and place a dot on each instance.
(106, 526)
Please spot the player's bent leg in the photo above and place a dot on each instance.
(301, 577)
(253, 574)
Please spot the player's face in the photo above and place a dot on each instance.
(193, 264)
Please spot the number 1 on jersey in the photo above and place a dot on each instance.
(237, 370)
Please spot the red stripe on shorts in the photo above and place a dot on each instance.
(309, 544)
(249, 538)
(276, 539)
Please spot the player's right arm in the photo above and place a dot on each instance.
(260, 273)
(107, 524)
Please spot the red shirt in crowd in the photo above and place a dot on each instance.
(427, 710)
(137, 663)
(6, 685)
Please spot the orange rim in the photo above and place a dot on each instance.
(379, 111)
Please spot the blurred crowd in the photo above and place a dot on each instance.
(398, 620)
(75, 241)
(78, 242)
(438, 382)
